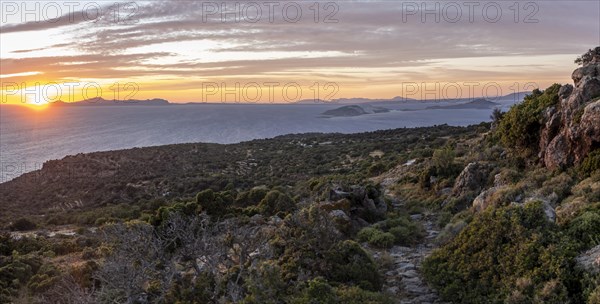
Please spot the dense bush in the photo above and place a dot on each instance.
(44, 279)
(365, 234)
(594, 297)
(349, 263)
(320, 291)
(301, 243)
(216, 204)
(443, 161)
(376, 169)
(15, 273)
(500, 248)
(590, 164)
(265, 285)
(356, 295)
(23, 224)
(382, 239)
(395, 230)
(276, 201)
(520, 127)
(163, 213)
(251, 197)
(585, 229)
(317, 291)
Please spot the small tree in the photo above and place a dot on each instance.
(276, 201)
(589, 56)
(496, 117)
(443, 160)
(214, 204)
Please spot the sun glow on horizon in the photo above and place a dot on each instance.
(174, 52)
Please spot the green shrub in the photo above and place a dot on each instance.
(379, 238)
(265, 284)
(349, 263)
(250, 198)
(15, 273)
(402, 235)
(23, 224)
(188, 290)
(382, 239)
(376, 169)
(356, 295)
(443, 161)
(405, 231)
(520, 128)
(276, 201)
(317, 291)
(560, 184)
(590, 164)
(552, 292)
(498, 248)
(63, 247)
(594, 297)
(585, 229)
(214, 204)
(44, 279)
(365, 234)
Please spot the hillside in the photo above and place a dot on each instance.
(180, 171)
(501, 212)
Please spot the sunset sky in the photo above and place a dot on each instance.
(185, 51)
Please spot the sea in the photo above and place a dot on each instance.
(30, 137)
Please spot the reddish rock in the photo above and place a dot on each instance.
(572, 129)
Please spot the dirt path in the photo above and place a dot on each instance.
(404, 279)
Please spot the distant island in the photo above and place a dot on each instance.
(355, 110)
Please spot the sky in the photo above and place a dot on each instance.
(285, 51)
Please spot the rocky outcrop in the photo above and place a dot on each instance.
(590, 260)
(571, 129)
(473, 178)
(354, 206)
(486, 197)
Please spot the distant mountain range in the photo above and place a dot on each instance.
(460, 103)
(354, 100)
(99, 101)
(480, 103)
(514, 97)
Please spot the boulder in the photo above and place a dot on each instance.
(338, 194)
(340, 216)
(590, 260)
(473, 178)
(557, 153)
(484, 199)
(565, 91)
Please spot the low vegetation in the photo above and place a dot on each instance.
(297, 219)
